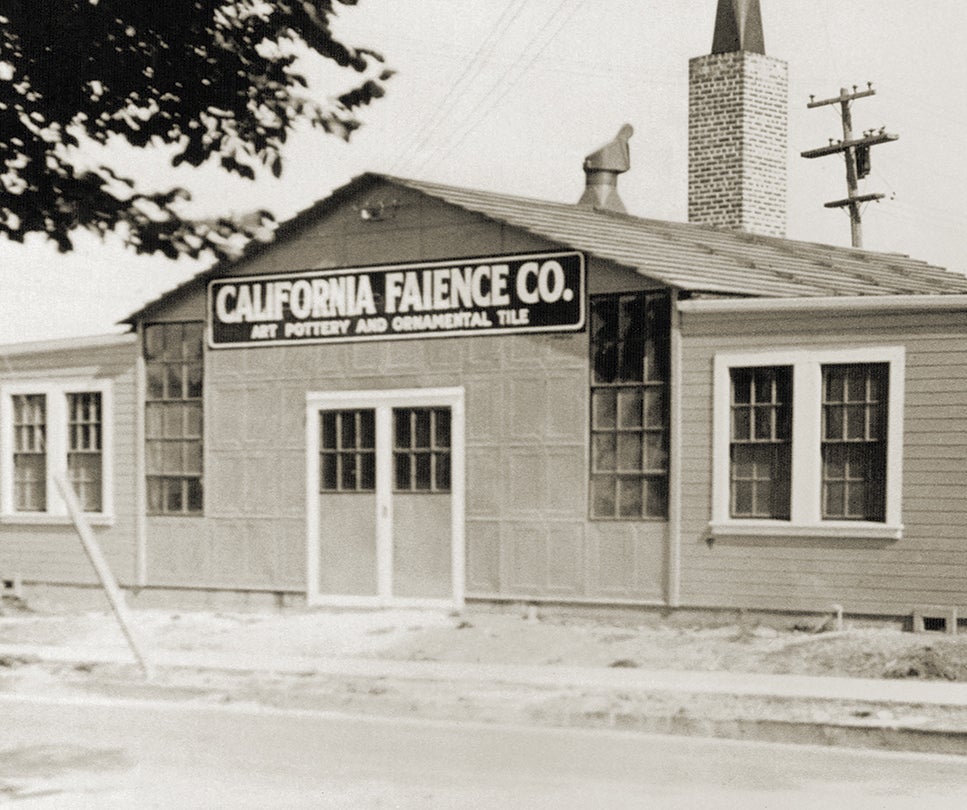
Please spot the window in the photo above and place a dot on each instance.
(808, 443)
(347, 454)
(630, 340)
(173, 417)
(49, 429)
(30, 452)
(854, 441)
(421, 449)
(84, 448)
(761, 442)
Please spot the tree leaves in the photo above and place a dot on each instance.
(214, 79)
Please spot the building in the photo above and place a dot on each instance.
(420, 394)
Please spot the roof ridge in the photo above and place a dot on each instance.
(726, 233)
(666, 251)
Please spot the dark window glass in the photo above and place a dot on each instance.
(84, 460)
(761, 444)
(421, 449)
(30, 452)
(173, 417)
(854, 441)
(629, 414)
(347, 451)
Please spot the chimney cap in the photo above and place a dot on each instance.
(738, 27)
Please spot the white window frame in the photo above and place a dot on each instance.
(56, 394)
(807, 468)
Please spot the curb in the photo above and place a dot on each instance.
(891, 734)
(897, 738)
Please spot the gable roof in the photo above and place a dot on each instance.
(698, 259)
(706, 259)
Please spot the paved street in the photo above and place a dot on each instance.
(107, 754)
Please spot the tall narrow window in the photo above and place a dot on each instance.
(84, 449)
(629, 405)
(761, 442)
(421, 449)
(854, 441)
(173, 417)
(347, 454)
(30, 452)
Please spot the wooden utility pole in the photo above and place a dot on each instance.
(857, 154)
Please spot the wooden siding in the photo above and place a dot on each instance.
(527, 416)
(52, 553)
(928, 565)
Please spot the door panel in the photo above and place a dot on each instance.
(421, 502)
(347, 502)
(347, 544)
(421, 545)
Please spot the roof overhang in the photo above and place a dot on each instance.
(67, 344)
(851, 303)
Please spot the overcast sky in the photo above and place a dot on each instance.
(510, 95)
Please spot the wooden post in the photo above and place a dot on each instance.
(111, 589)
(855, 215)
(848, 146)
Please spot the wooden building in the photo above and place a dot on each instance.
(421, 394)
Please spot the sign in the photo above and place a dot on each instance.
(541, 292)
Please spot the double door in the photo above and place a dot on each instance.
(385, 497)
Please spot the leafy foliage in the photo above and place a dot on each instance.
(211, 79)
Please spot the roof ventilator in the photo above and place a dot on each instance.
(601, 170)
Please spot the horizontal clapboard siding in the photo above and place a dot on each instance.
(53, 553)
(928, 565)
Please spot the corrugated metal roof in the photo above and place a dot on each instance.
(705, 259)
(700, 259)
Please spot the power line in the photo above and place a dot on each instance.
(488, 103)
(579, 67)
(470, 73)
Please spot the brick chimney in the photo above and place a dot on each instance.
(738, 127)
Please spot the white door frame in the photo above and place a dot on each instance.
(383, 401)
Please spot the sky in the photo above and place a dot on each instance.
(510, 95)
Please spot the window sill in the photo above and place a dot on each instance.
(845, 529)
(44, 519)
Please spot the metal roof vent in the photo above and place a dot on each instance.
(601, 170)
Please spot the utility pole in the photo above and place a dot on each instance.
(857, 154)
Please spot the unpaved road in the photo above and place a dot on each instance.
(70, 753)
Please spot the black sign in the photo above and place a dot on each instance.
(542, 292)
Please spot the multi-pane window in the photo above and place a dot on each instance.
(54, 429)
(808, 441)
(30, 452)
(854, 441)
(173, 417)
(421, 449)
(761, 442)
(629, 405)
(84, 448)
(347, 454)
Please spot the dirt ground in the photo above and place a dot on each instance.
(481, 636)
(853, 652)
(488, 637)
